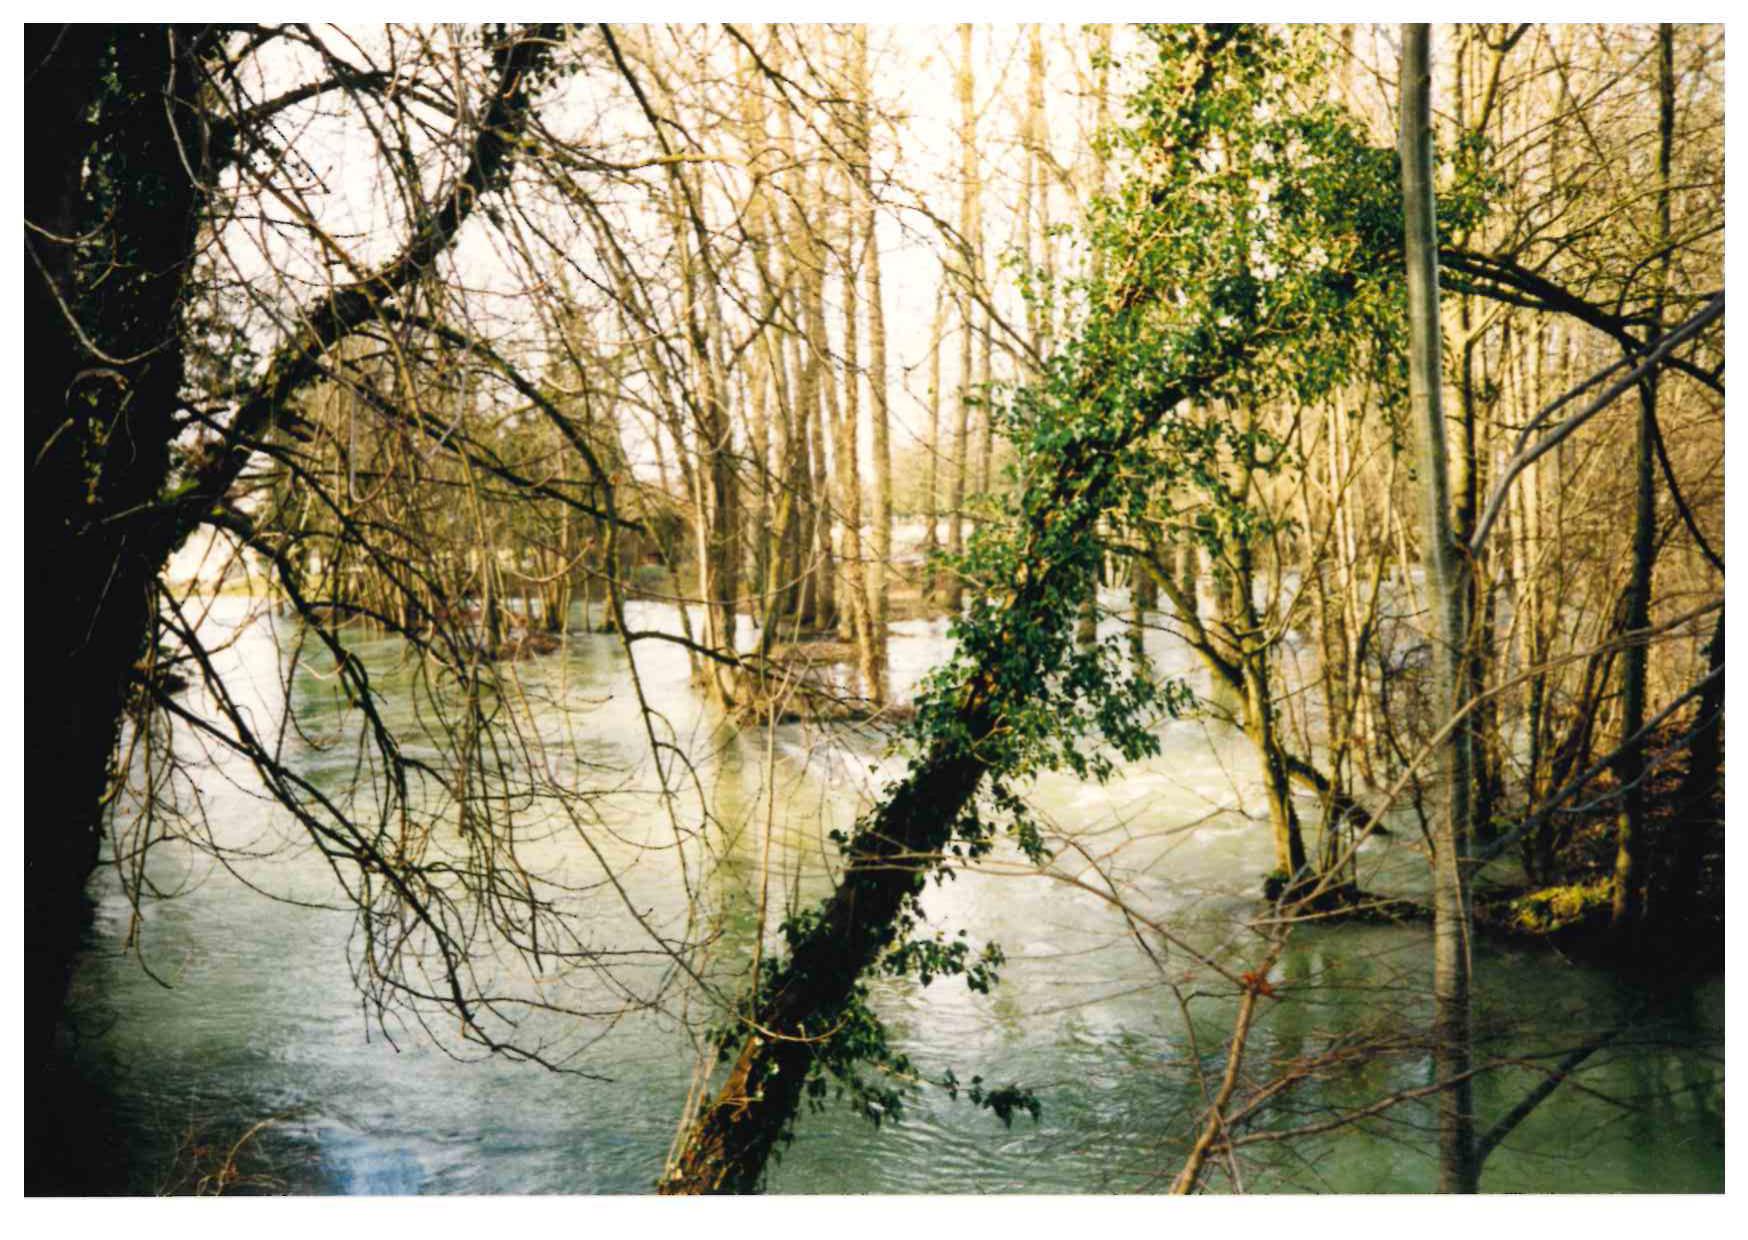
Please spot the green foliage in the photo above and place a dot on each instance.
(853, 1058)
(859, 1038)
(1243, 260)
(940, 956)
(1286, 217)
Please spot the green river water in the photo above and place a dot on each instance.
(249, 1011)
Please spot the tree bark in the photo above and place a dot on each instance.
(932, 449)
(1705, 765)
(969, 263)
(856, 611)
(1447, 597)
(90, 567)
(1628, 865)
(823, 564)
(878, 590)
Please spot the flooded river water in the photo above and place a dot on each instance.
(246, 1009)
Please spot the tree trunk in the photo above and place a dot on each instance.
(1259, 722)
(1143, 601)
(878, 590)
(1447, 596)
(714, 493)
(1628, 866)
(1705, 765)
(822, 564)
(856, 612)
(100, 405)
(97, 441)
(969, 263)
(1465, 466)
(932, 449)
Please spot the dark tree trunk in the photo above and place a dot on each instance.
(1694, 816)
(98, 427)
(1629, 841)
(727, 1146)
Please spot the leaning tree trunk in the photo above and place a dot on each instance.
(728, 1145)
(1447, 595)
(798, 1003)
(886, 860)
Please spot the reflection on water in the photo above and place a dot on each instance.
(258, 1016)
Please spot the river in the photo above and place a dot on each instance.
(244, 1009)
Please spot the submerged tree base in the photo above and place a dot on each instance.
(1344, 902)
(1570, 903)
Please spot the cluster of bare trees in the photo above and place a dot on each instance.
(709, 303)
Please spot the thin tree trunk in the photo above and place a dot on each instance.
(878, 590)
(1466, 484)
(1253, 654)
(1628, 876)
(818, 414)
(1447, 596)
(932, 448)
(1040, 179)
(968, 274)
(856, 612)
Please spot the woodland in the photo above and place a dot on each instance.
(731, 544)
